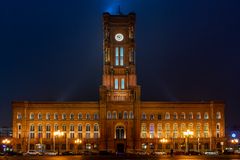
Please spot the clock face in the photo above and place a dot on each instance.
(119, 37)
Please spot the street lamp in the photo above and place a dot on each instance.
(5, 142)
(234, 142)
(58, 134)
(163, 140)
(188, 133)
(78, 141)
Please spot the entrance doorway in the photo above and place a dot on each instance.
(120, 148)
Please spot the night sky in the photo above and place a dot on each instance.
(187, 50)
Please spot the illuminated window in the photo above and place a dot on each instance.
(183, 115)
(109, 115)
(205, 130)
(167, 129)
(121, 56)
(79, 131)
(205, 115)
(47, 116)
(88, 131)
(131, 116)
(159, 130)
(55, 127)
(64, 116)
(218, 115)
(96, 131)
(19, 116)
(116, 56)
(88, 117)
(64, 127)
(175, 116)
(143, 130)
(71, 131)
(120, 132)
(198, 130)
(55, 116)
(175, 130)
(198, 115)
(151, 130)
(39, 116)
(190, 126)
(190, 116)
(79, 116)
(19, 130)
(144, 116)
(183, 129)
(71, 116)
(40, 129)
(167, 115)
(125, 115)
(32, 130)
(218, 130)
(48, 131)
(114, 115)
(95, 116)
(122, 84)
(31, 116)
(116, 83)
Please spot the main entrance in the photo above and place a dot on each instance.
(120, 148)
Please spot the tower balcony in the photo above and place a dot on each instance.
(119, 95)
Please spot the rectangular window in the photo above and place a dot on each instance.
(48, 135)
(122, 84)
(116, 83)
(116, 56)
(121, 56)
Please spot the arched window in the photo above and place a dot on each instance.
(64, 116)
(144, 116)
(48, 131)
(55, 116)
(88, 131)
(120, 132)
(167, 115)
(114, 115)
(168, 130)
(218, 130)
(95, 116)
(206, 115)
(96, 131)
(64, 127)
(190, 116)
(198, 130)
(198, 115)
(39, 116)
(80, 116)
(183, 115)
(159, 130)
(19, 116)
(143, 130)
(131, 115)
(80, 131)
(218, 115)
(32, 131)
(109, 115)
(71, 116)
(125, 115)
(40, 129)
(175, 130)
(31, 116)
(151, 130)
(48, 116)
(88, 116)
(205, 130)
(55, 127)
(151, 117)
(175, 116)
(183, 129)
(71, 131)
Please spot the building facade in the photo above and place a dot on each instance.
(119, 121)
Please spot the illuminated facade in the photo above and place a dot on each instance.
(119, 121)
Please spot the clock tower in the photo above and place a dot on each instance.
(119, 92)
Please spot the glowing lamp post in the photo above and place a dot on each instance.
(234, 142)
(58, 134)
(187, 134)
(163, 140)
(78, 141)
(5, 142)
